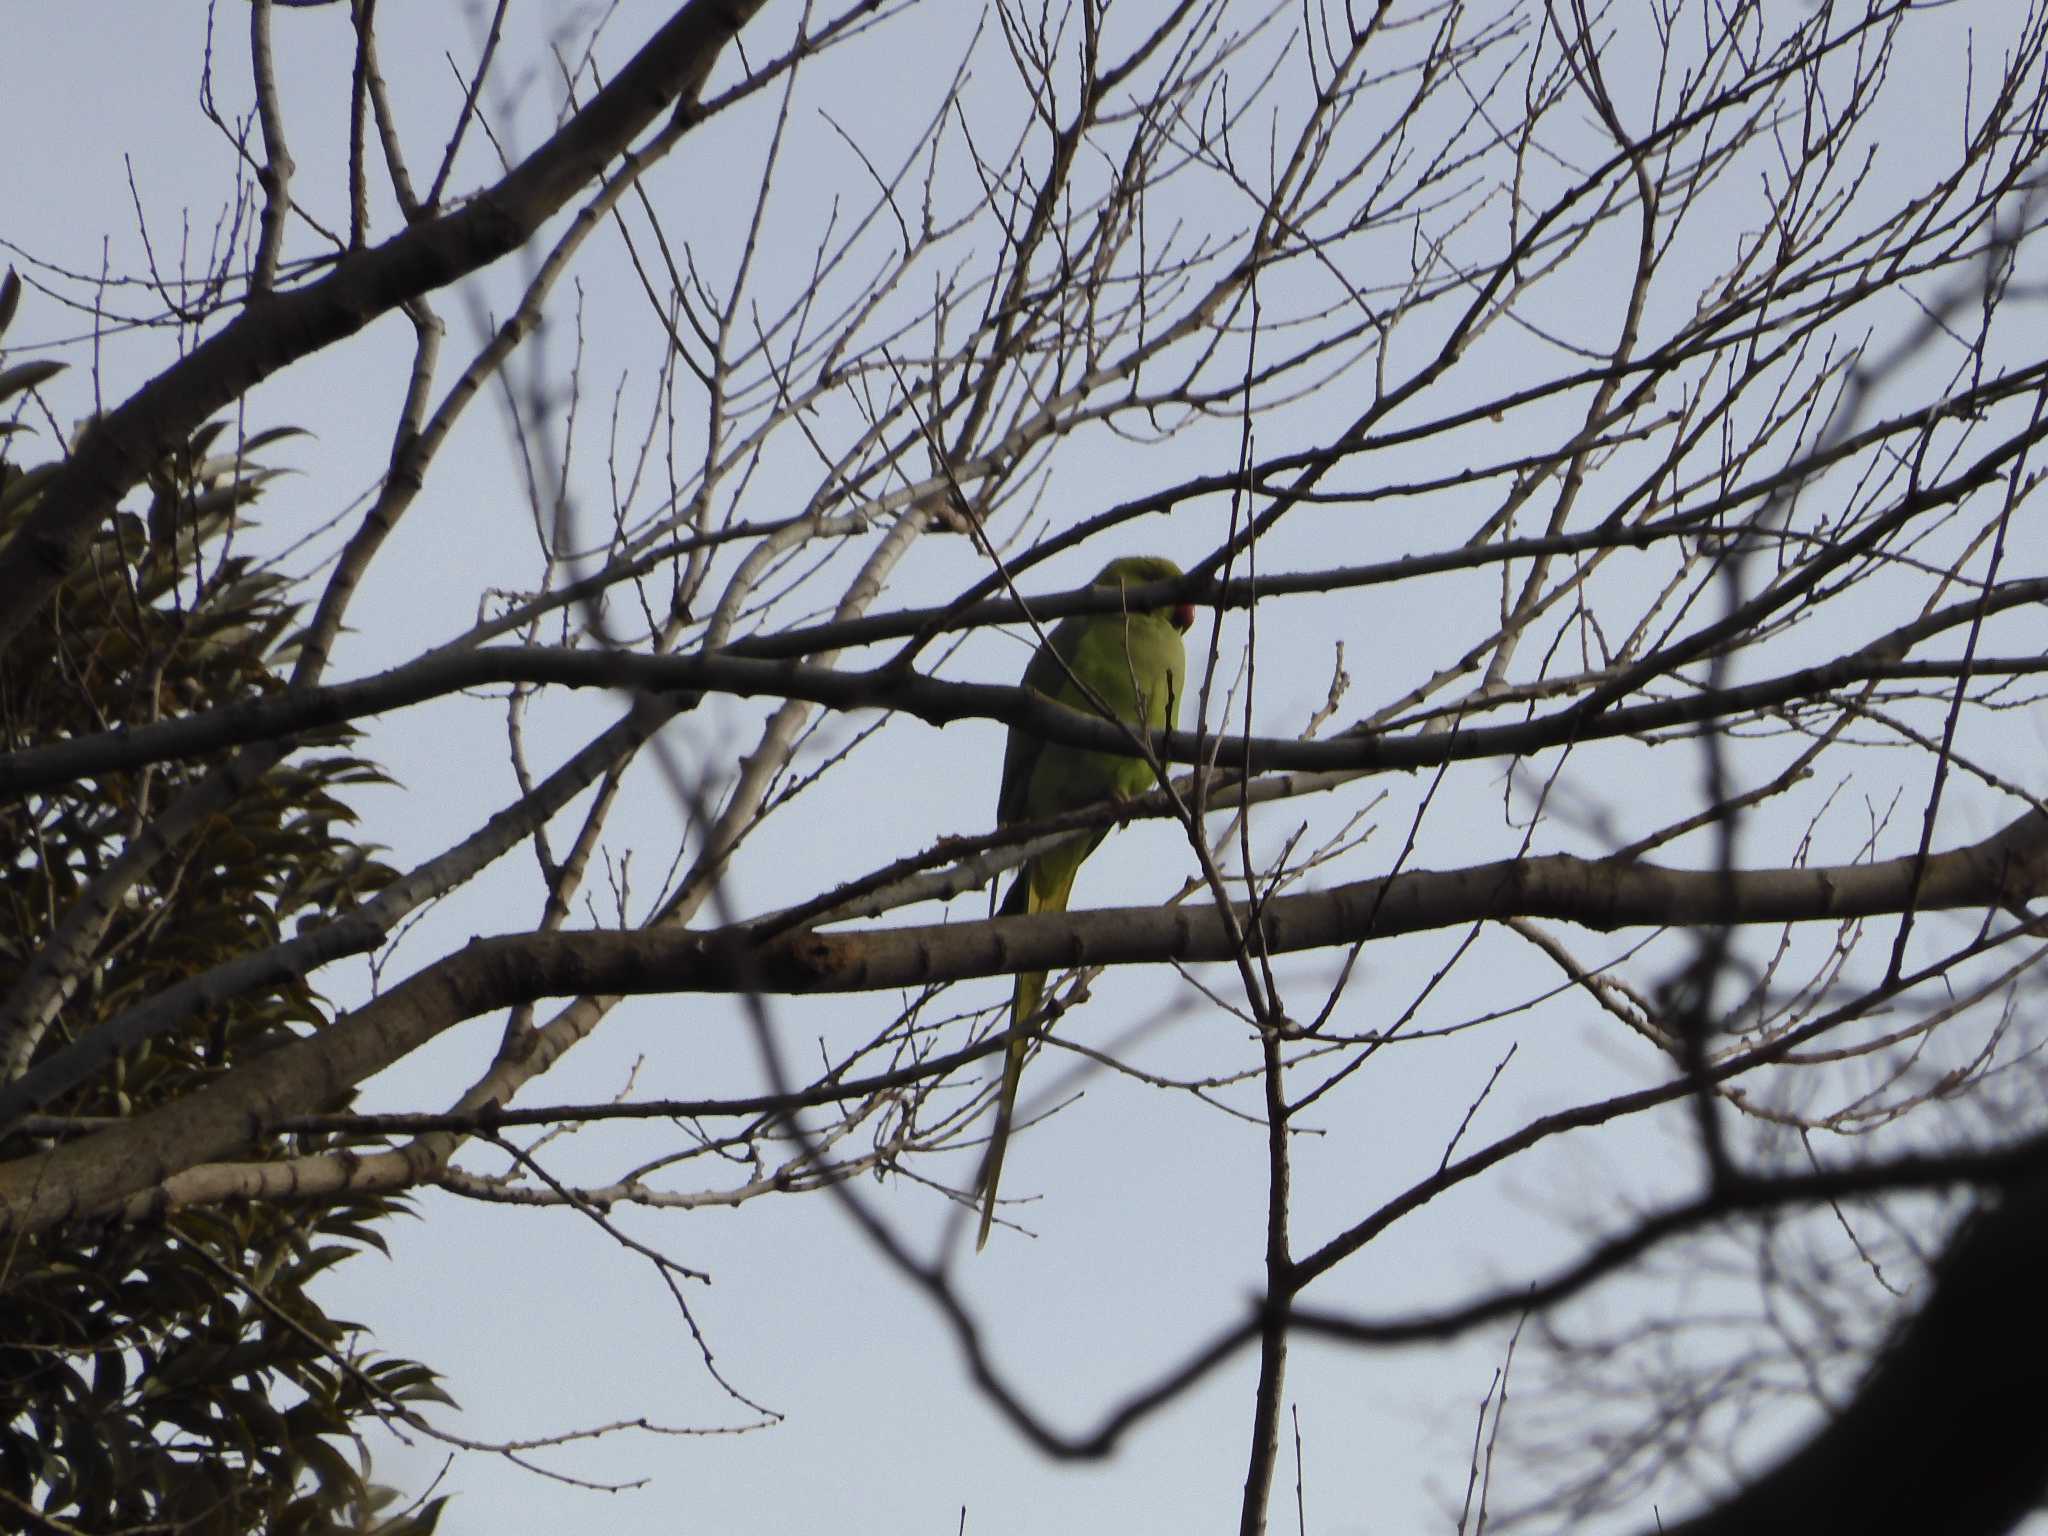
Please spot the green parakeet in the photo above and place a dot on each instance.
(1134, 666)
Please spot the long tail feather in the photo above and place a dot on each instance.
(1029, 990)
(1023, 1004)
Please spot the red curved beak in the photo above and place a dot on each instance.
(1183, 616)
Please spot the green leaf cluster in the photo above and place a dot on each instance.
(179, 1377)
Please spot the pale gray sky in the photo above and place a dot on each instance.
(1148, 1233)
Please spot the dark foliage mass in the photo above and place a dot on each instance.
(178, 1374)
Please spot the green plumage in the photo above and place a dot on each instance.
(1135, 667)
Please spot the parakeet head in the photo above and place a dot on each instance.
(1135, 569)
